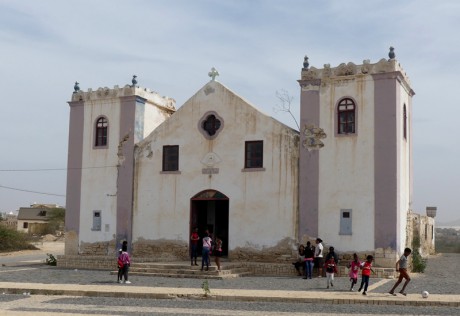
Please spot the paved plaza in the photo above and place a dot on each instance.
(96, 292)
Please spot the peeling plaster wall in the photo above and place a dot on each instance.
(262, 204)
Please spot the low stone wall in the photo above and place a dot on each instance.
(109, 263)
(284, 251)
(103, 248)
(161, 250)
(87, 262)
(276, 269)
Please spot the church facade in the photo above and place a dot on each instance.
(144, 172)
(216, 164)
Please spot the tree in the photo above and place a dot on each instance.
(284, 105)
(56, 216)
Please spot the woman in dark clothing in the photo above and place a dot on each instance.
(309, 260)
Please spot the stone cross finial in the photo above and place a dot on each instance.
(213, 74)
(76, 87)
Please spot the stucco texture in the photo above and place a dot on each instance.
(262, 203)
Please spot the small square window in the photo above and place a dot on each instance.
(25, 225)
(96, 220)
(345, 222)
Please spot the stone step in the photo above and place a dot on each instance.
(181, 270)
(202, 275)
(173, 266)
(187, 271)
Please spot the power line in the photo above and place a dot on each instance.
(53, 169)
(29, 191)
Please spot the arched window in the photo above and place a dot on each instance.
(346, 116)
(101, 132)
(405, 122)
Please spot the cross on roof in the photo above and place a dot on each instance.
(213, 74)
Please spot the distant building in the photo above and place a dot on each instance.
(33, 219)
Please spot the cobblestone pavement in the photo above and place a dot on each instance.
(32, 305)
(440, 277)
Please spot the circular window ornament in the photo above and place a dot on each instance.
(210, 125)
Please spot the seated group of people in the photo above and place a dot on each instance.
(310, 256)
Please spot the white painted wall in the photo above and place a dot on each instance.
(347, 166)
(153, 117)
(404, 161)
(98, 191)
(262, 204)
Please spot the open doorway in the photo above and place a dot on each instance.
(209, 211)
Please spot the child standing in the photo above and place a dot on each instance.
(126, 260)
(367, 269)
(331, 268)
(401, 265)
(354, 269)
(218, 252)
(120, 267)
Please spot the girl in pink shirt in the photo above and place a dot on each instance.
(354, 270)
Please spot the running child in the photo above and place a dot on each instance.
(367, 269)
(401, 265)
(354, 270)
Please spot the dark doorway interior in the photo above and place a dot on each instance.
(209, 211)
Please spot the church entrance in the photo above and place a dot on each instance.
(209, 211)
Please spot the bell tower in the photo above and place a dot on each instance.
(355, 186)
(104, 127)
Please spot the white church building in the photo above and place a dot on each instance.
(143, 172)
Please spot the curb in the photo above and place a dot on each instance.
(233, 295)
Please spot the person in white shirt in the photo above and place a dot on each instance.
(207, 242)
(319, 261)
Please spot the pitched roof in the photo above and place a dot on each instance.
(32, 213)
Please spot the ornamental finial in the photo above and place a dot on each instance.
(391, 54)
(305, 62)
(76, 87)
(213, 74)
(134, 81)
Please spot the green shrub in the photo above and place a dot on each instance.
(205, 287)
(418, 263)
(12, 240)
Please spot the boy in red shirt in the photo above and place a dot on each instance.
(367, 269)
(195, 238)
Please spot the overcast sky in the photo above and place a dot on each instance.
(258, 48)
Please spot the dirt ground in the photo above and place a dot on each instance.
(44, 247)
